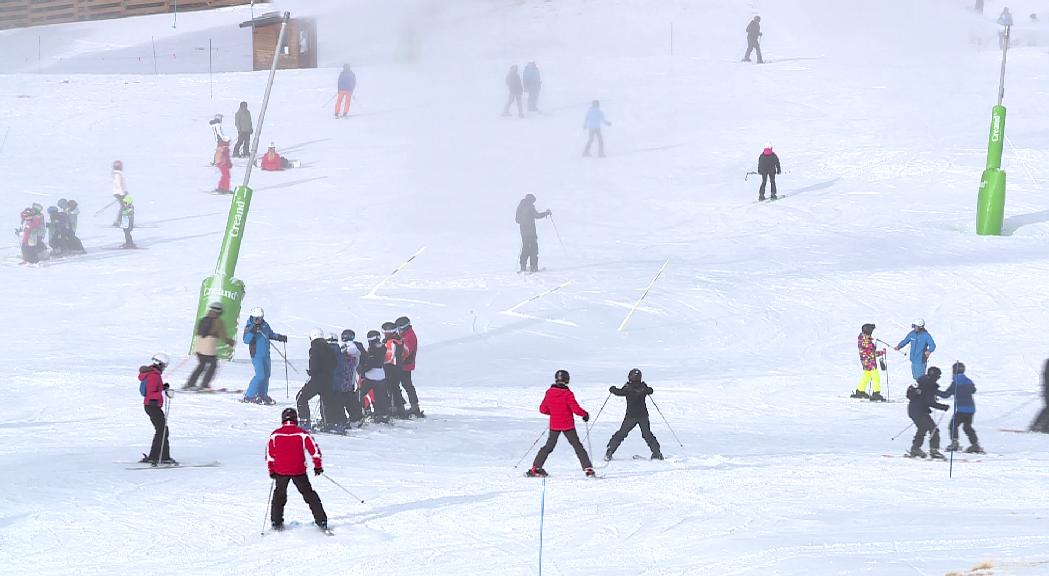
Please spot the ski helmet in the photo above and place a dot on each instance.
(403, 323)
(118, 165)
(634, 376)
(160, 360)
(316, 333)
(958, 368)
(258, 312)
(530, 198)
(561, 377)
(215, 307)
(72, 204)
(389, 327)
(919, 323)
(218, 117)
(374, 336)
(289, 415)
(63, 203)
(348, 335)
(867, 329)
(52, 209)
(127, 200)
(935, 373)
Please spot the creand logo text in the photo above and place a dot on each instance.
(228, 294)
(996, 129)
(237, 226)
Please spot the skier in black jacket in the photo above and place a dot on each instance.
(321, 373)
(372, 370)
(753, 33)
(635, 390)
(526, 217)
(922, 396)
(1041, 423)
(768, 167)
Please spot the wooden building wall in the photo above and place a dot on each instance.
(22, 13)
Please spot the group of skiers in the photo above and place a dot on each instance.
(924, 394)
(57, 232)
(561, 406)
(517, 84)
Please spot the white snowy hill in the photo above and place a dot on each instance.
(879, 112)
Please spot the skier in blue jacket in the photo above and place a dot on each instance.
(257, 335)
(962, 388)
(595, 119)
(922, 345)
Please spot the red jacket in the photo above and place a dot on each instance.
(271, 162)
(411, 346)
(154, 385)
(287, 448)
(560, 404)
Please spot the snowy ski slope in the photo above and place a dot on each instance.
(879, 111)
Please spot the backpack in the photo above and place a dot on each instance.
(204, 326)
(142, 388)
(913, 392)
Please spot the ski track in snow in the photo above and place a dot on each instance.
(748, 337)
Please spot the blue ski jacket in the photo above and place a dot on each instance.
(258, 341)
(963, 389)
(920, 342)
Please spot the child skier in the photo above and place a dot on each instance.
(560, 404)
(869, 360)
(257, 335)
(153, 390)
(964, 409)
(635, 390)
(352, 351)
(223, 163)
(286, 459)
(127, 220)
(922, 396)
(922, 346)
(372, 370)
(393, 367)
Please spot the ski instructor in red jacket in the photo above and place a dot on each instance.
(560, 404)
(286, 458)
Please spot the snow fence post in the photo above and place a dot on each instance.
(222, 286)
(990, 206)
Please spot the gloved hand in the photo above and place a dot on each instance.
(282, 338)
(273, 475)
(611, 389)
(586, 417)
(166, 385)
(549, 212)
(318, 471)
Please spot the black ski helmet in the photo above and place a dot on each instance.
(958, 368)
(561, 377)
(634, 376)
(935, 373)
(348, 335)
(289, 415)
(867, 329)
(403, 322)
(374, 336)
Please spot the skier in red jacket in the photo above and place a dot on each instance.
(154, 390)
(286, 459)
(560, 404)
(411, 348)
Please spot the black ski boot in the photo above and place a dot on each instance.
(278, 526)
(657, 456)
(916, 453)
(877, 397)
(935, 454)
(145, 460)
(534, 472)
(860, 394)
(169, 462)
(974, 449)
(953, 446)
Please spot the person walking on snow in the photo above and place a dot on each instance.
(119, 189)
(964, 409)
(223, 163)
(532, 84)
(347, 84)
(526, 217)
(286, 453)
(922, 396)
(636, 391)
(768, 167)
(257, 335)
(127, 220)
(1041, 422)
(753, 33)
(922, 346)
(595, 119)
(411, 348)
(244, 131)
(153, 390)
(515, 89)
(560, 404)
(321, 373)
(869, 360)
(210, 331)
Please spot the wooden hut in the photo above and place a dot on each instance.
(300, 42)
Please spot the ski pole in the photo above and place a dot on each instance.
(883, 363)
(287, 382)
(330, 479)
(667, 423)
(328, 101)
(591, 425)
(542, 516)
(748, 175)
(902, 431)
(277, 350)
(104, 208)
(890, 346)
(558, 235)
(164, 436)
(950, 434)
(269, 499)
(530, 448)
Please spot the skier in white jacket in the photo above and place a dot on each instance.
(119, 189)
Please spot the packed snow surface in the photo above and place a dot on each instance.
(879, 112)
